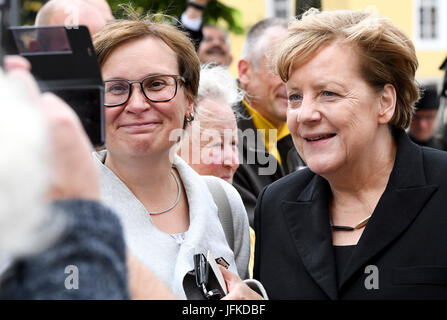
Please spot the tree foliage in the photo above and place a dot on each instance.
(215, 11)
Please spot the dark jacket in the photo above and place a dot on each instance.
(406, 237)
(258, 167)
(433, 142)
(196, 36)
(92, 241)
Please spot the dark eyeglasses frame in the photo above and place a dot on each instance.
(131, 82)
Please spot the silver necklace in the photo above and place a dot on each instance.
(178, 195)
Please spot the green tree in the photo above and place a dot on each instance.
(215, 11)
(28, 11)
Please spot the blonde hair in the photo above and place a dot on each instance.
(118, 32)
(386, 54)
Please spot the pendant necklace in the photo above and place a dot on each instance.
(348, 228)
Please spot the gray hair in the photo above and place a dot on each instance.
(217, 83)
(24, 174)
(253, 46)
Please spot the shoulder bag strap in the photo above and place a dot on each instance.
(223, 209)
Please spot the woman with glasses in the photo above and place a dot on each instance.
(151, 75)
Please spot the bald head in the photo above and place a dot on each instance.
(92, 13)
(102, 7)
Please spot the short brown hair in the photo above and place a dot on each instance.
(118, 32)
(387, 55)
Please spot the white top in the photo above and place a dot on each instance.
(162, 253)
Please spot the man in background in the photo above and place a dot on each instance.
(423, 123)
(264, 110)
(215, 46)
(211, 42)
(92, 13)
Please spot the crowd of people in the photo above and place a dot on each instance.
(318, 162)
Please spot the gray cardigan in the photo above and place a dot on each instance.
(159, 251)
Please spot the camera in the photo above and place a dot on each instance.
(63, 61)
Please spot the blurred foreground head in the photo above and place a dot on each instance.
(24, 169)
(210, 144)
(423, 121)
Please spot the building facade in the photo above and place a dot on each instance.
(425, 21)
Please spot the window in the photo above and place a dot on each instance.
(278, 8)
(428, 19)
(429, 26)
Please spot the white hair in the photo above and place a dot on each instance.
(217, 83)
(24, 173)
(67, 8)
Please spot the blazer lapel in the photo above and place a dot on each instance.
(394, 213)
(404, 198)
(308, 222)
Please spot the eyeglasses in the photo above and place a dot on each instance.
(156, 88)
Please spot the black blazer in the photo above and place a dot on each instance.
(249, 179)
(406, 237)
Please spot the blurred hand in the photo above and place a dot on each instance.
(73, 171)
(237, 289)
(143, 284)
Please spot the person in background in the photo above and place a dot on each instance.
(210, 144)
(215, 46)
(92, 13)
(212, 42)
(423, 122)
(265, 158)
(366, 220)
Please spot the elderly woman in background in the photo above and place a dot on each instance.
(210, 144)
(367, 219)
(151, 75)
